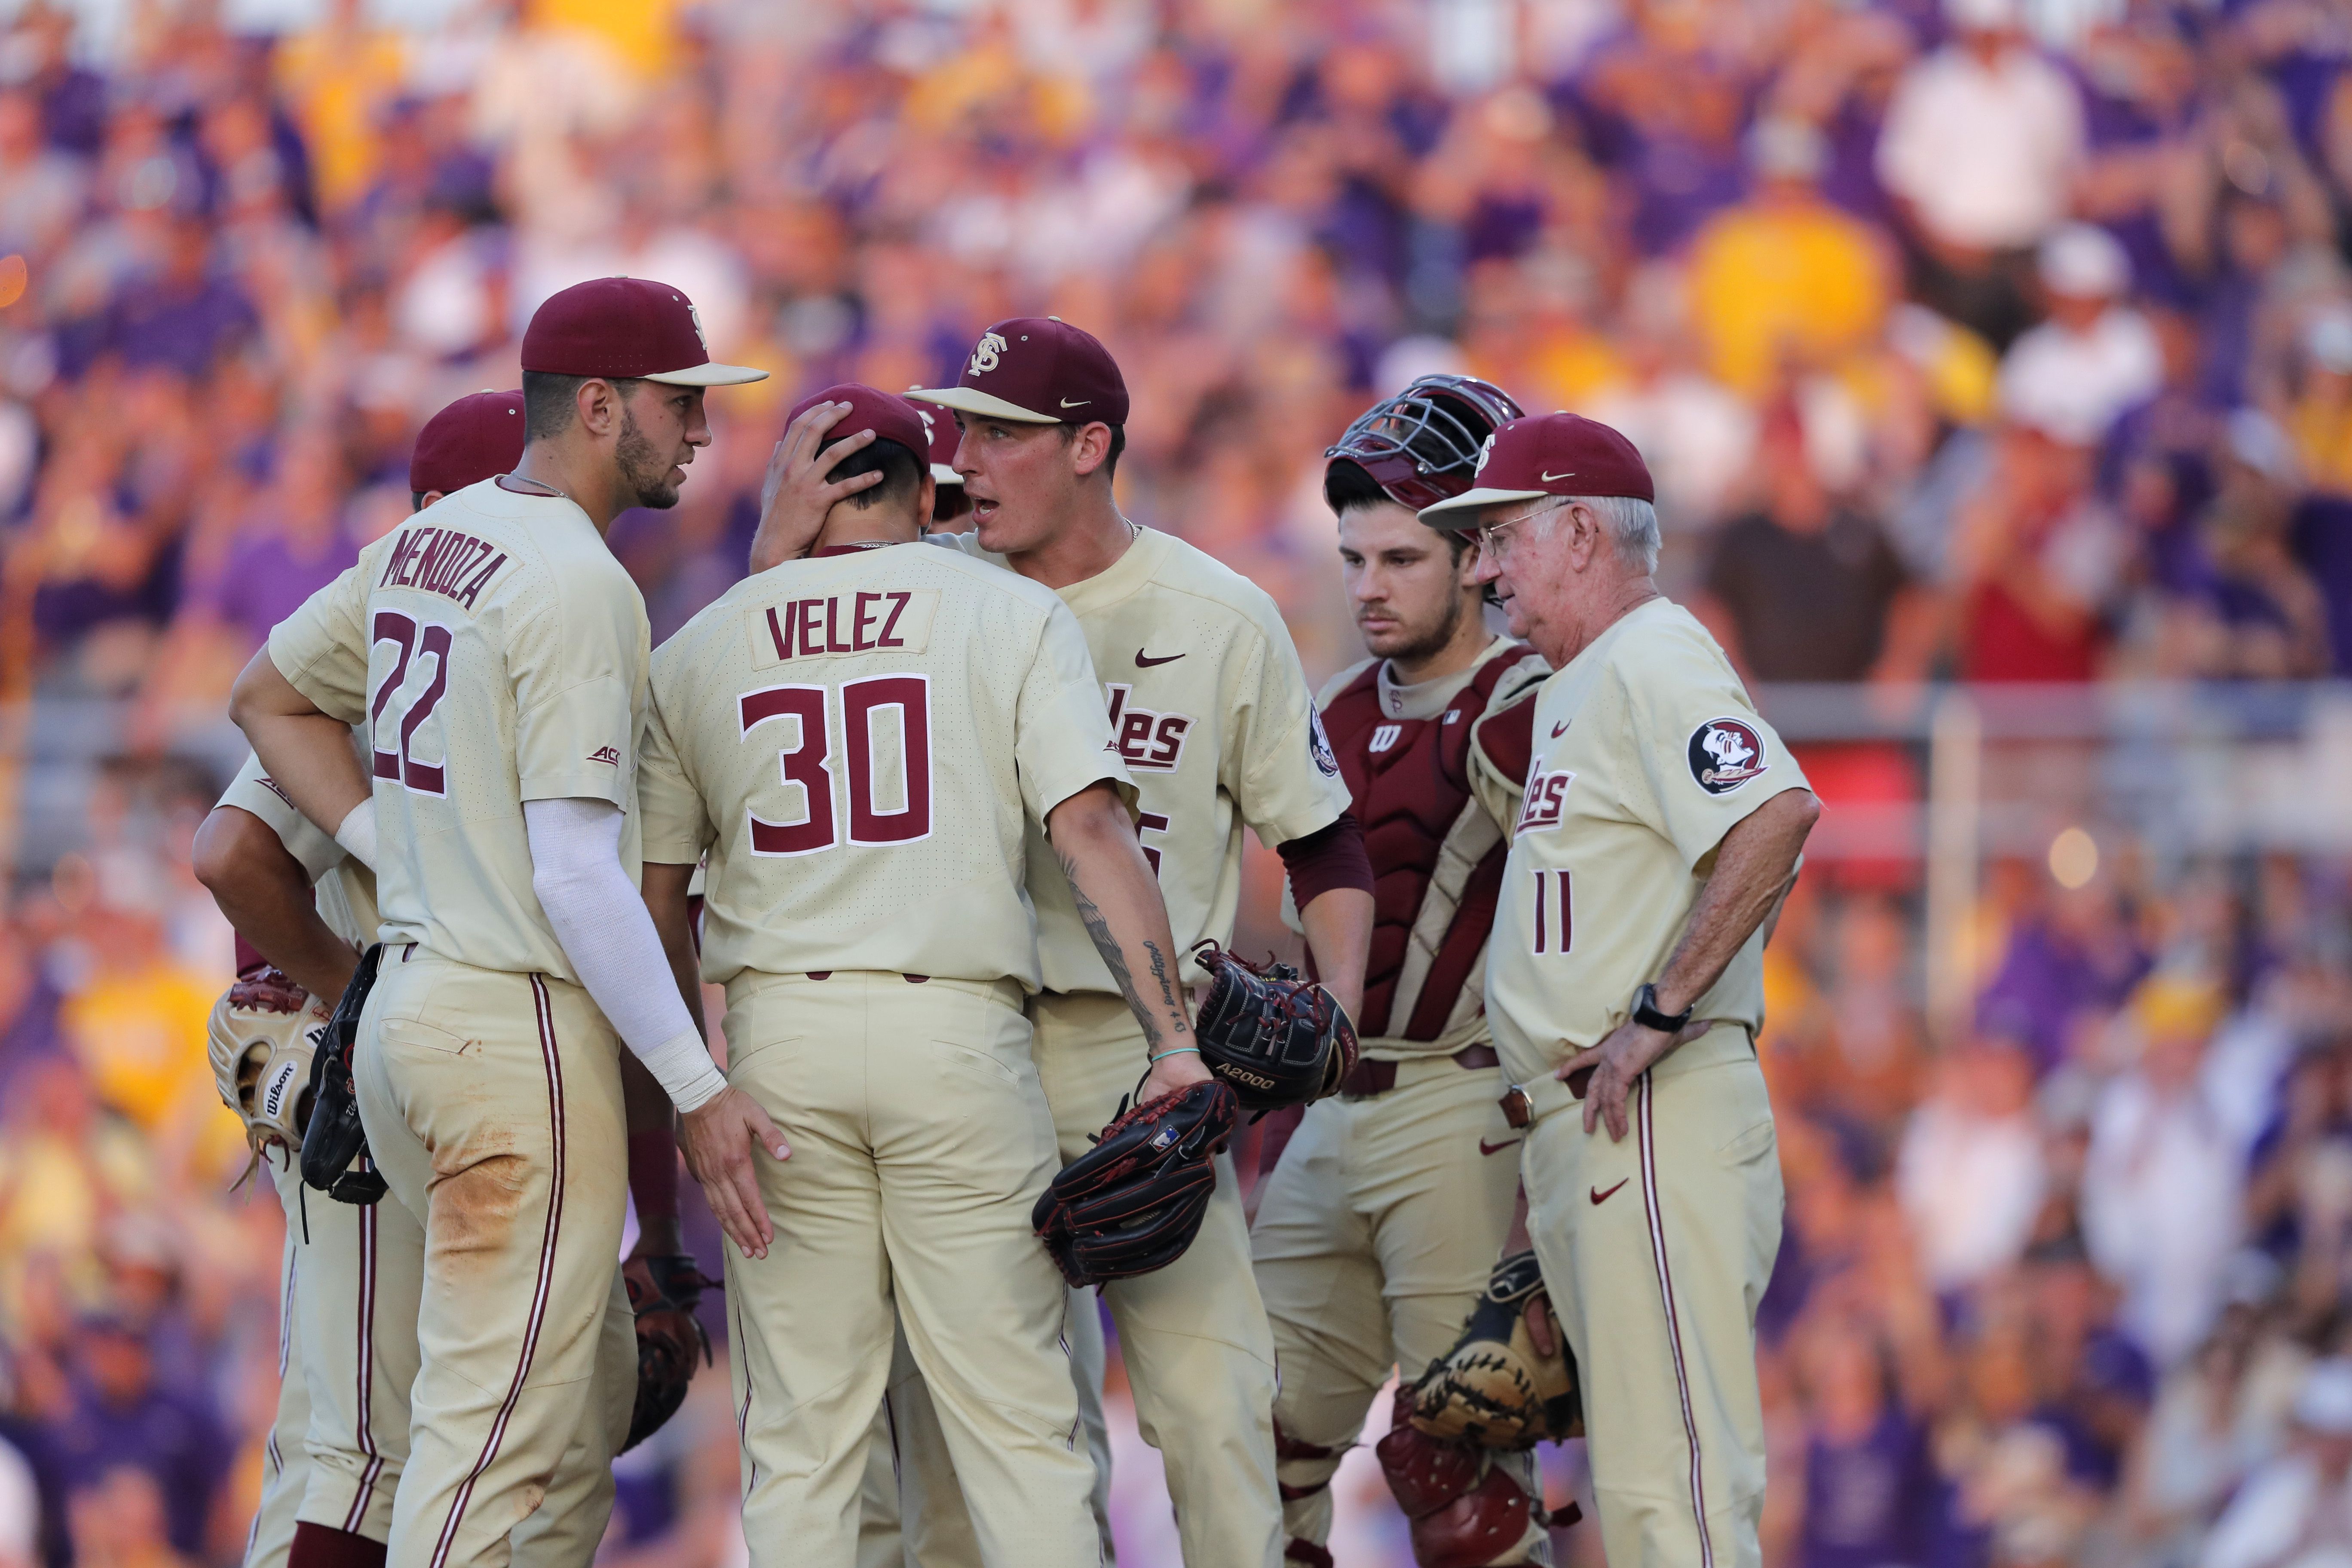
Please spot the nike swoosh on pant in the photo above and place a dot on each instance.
(1599, 1197)
(1486, 1148)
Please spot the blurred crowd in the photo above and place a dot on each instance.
(1995, 341)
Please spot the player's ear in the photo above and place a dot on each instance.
(597, 403)
(1091, 448)
(926, 495)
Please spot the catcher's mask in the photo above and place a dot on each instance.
(1422, 446)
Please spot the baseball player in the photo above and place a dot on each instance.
(1661, 826)
(1381, 1224)
(856, 740)
(302, 907)
(497, 653)
(1211, 712)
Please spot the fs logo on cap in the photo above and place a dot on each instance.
(699, 335)
(983, 358)
(1486, 452)
(1726, 753)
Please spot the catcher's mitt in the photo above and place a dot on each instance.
(263, 1033)
(1510, 1380)
(1133, 1203)
(664, 1291)
(334, 1146)
(1279, 1040)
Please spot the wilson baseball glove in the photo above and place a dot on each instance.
(334, 1146)
(1133, 1203)
(1279, 1040)
(263, 1033)
(1510, 1381)
(663, 1290)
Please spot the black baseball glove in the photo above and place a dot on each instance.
(335, 1143)
(1133, 1203)
(663, 1290)
(1279, 1040)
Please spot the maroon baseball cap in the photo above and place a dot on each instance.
(889, 415)
(477, 437)
(1546, 455)
(1039, 370)
(626, 329)
(944, 438)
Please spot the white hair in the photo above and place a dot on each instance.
(1632, 525)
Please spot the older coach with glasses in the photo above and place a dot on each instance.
(1660, 830)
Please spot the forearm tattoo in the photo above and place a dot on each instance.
(1167, 987)
(1114, 958)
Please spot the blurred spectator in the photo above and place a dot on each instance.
(1970, 1173)
(118, 1519)
(2264, 618)
(2037, 558)
(1785, 281)
(1807, 588)
(2095, 358)
(2163, 1187)
(119, 1419)
(1870, 1485)
(20, 1509)
(2297, 1509)
(1982, 143)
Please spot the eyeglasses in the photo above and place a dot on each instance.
(1487, 531)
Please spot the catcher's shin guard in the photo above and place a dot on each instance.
(1467, 1509)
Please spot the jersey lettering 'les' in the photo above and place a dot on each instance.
(1437, 853)
(859, 744)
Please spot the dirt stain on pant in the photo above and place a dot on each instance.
(471, 1225)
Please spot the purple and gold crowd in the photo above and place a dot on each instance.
(1996, 341)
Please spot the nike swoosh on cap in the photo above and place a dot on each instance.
(1081, 402)
(1143, 662)
(1548, 478)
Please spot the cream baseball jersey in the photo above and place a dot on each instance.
(1210, 710)
(1646, 752)
(345, 887)
(861, 743)
(496, 653)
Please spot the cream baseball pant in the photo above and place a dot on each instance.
(1376, 1235)
(285, 1470)
(1199, 1354)
(492, 1103)
(919, 1143)
(1658, 1251)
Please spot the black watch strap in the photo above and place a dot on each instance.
(1646, 1014)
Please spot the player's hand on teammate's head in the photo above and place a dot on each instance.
(794, 496)
(720, 1140)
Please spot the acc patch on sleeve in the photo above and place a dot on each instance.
(1726, 753)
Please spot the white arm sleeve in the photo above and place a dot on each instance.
(602, 923)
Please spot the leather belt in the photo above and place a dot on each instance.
(1372, 1078)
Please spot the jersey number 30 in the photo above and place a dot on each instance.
(862, 706)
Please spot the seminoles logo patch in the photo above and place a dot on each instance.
(984, 357)
(1319, 746)
(1726, 753)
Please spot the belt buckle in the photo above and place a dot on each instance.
(1518, 1111)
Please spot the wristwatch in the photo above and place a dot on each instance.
(1646, 1014)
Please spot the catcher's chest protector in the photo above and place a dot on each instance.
(1411, 781)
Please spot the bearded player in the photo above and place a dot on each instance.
(498, 652)
(1213, 715)
(1380, 1223)
(302, 907)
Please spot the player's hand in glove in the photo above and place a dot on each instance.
(663, 1290)
(1276, 1039)
(720, 1138)
(1134, 1202)
(795, 496)
(1510, 1381)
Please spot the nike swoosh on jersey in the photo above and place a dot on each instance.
(1142, 662)
(1599, 1197)
(1560, 729)
(1486, 1148)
